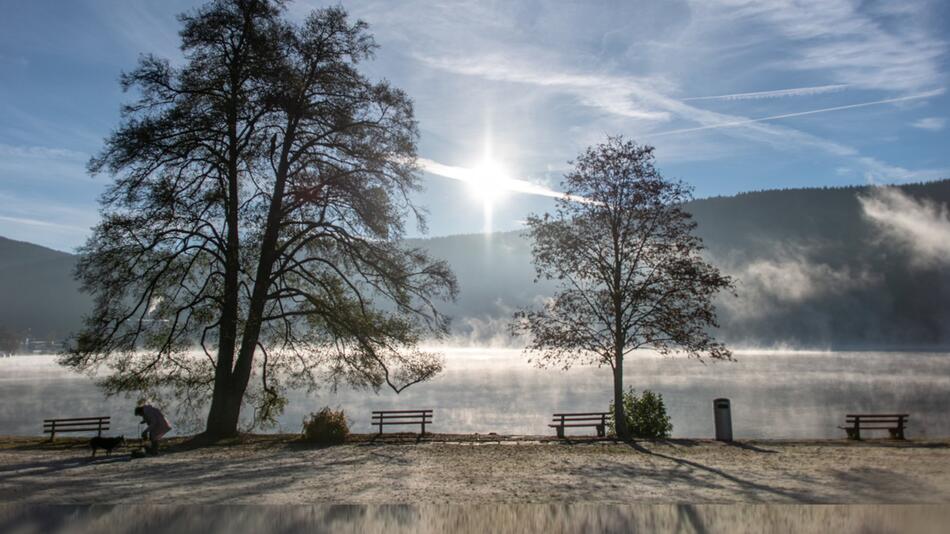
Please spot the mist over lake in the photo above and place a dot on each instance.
(774, 394)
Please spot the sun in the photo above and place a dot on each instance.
(487, 181)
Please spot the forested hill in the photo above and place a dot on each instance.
(38, 296)
(853, 267)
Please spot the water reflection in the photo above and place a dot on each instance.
(774, 395)
(553, 518)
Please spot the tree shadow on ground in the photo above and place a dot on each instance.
(749, 447)
(750, 488)
(230, 477)
(876, 484)
(45, 467)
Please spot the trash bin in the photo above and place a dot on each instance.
(722, 414)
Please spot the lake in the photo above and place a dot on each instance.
(781, 394)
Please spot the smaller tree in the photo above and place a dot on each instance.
(326, 427)
(628, 267)
(9, 341)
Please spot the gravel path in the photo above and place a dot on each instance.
(276, 470)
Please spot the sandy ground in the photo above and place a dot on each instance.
(279, 470)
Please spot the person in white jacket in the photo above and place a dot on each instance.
(157, 425)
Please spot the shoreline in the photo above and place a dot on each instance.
(245, 439)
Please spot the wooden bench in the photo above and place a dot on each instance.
(402, 417)
(893, 423)
(75, 424)
(590, 419)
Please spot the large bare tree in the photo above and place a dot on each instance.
(628, 268)
(260, 195)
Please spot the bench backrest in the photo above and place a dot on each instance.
(858, 418)
(585, 416)
(402, 416)
(76, 424)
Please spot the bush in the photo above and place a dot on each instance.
(645, 414)
(326, 427)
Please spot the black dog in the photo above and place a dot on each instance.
(108, 444)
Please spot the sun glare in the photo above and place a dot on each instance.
(487, 184)
(488, 181)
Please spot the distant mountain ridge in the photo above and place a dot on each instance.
(812, 270)
(816, 268)
(38, 296)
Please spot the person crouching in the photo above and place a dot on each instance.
(156, 426)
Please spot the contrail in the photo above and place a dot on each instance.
(800, 113)
(798, 91)
(509, 184)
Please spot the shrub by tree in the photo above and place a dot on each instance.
(326, 427)
(628, 269)
(261, 190)
(645, 415)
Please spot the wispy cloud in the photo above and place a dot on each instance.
(25, 164)
(40, 152)
(843, 39)
(740, 122)
(933, 124)
(632, 78)
(626, 96)
(780, 93)
(610, 93)
(147, 27)
(45, 224)
(877, 172)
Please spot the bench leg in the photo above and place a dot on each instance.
(600, 431)
(423, 429)
(560, 432)
(852, 433)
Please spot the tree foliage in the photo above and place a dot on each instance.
(627, 265)
(260, 195)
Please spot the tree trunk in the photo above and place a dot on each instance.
(620, 419)
(224, 413)
(225, 410)
(225, 420)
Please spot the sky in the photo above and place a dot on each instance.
(735, 95)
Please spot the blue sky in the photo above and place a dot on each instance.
(852, 92)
